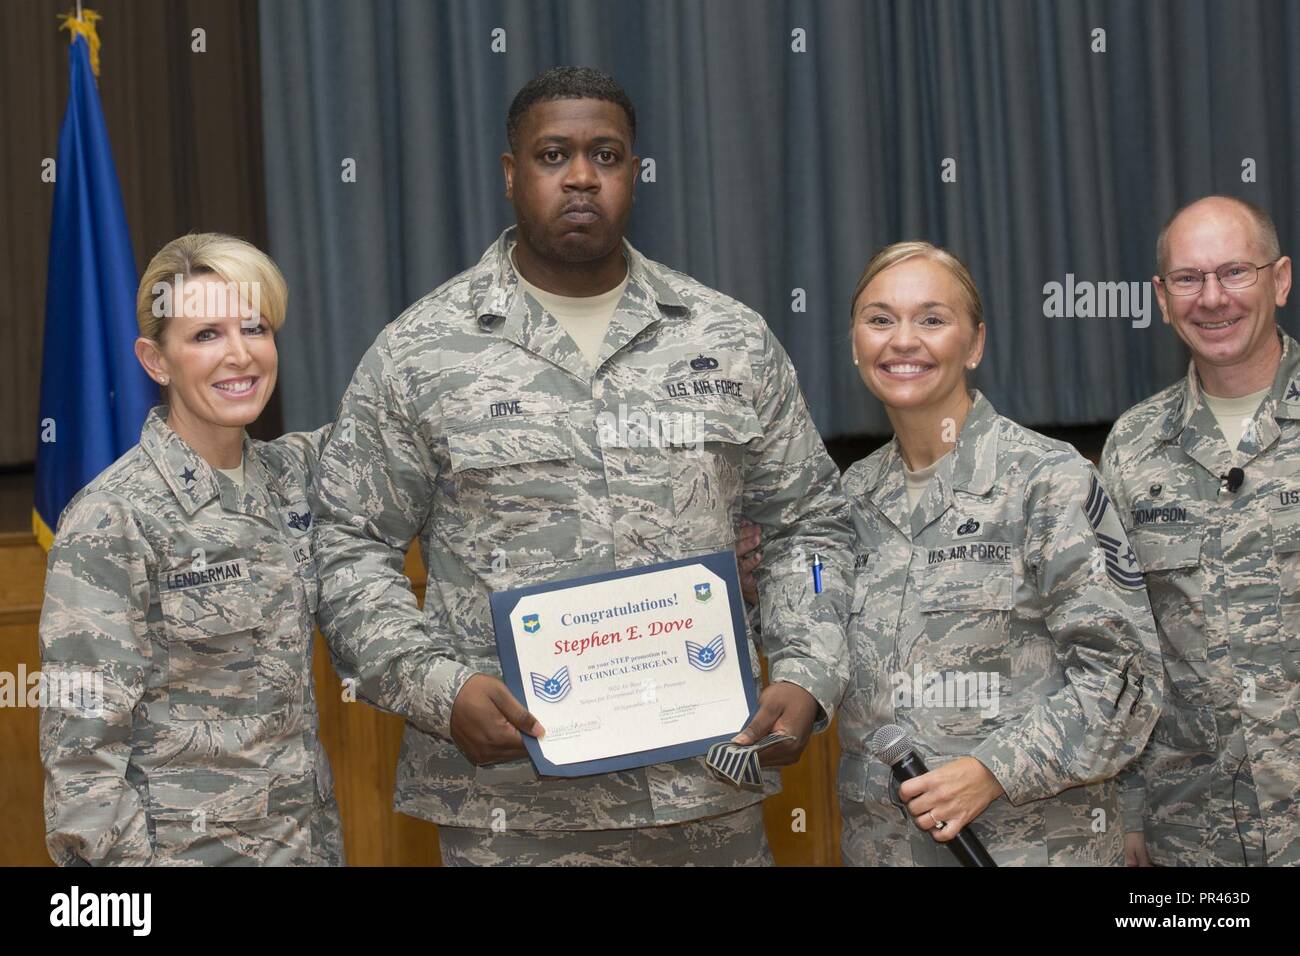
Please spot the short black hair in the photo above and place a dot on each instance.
(567, 83)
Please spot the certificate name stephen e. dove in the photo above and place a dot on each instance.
(646, 663)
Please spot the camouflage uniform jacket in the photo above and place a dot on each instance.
(475, 423)
(190, 601)
(998, 620)
(1223, 571)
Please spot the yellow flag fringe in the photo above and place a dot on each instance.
(84, 26)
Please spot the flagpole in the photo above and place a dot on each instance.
(97, 397)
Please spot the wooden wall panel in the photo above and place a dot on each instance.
(363, 745)
(22, 818)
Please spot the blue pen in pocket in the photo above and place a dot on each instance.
(817, 573)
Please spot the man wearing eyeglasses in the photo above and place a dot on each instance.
(1206, 477)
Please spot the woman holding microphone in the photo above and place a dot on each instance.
(182, 579)
(996, 616)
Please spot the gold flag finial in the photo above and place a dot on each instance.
(82, 23)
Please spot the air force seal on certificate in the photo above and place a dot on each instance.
(630, 668)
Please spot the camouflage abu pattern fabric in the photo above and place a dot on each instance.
(192, 600)
(732, 839)
(1223, 572)
(991, 622)
(474, 423)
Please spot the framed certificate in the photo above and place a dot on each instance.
(629, 668)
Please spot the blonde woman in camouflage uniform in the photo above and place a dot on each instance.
(183, 578)
(996, 615)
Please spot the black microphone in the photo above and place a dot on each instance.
(1234, 478)
(893, 746)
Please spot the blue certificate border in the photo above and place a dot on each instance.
(721, 563)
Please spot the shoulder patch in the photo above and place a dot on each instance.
(1121, 562)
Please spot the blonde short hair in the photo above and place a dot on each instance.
(897, 252)
(211, 253)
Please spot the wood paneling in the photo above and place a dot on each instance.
(363, 745)
(803, 820)
(22, 818)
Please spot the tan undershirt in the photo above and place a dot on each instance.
(1232, 414)
(918, 481)
(235, 474)
(585, 318)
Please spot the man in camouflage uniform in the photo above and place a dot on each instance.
(184, 604)
(1206, 475)
(477, 422)
(995, 621)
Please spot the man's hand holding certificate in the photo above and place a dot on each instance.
(630, 668)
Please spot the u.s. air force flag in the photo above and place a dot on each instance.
(94, 394)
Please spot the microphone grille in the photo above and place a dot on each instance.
(890, 744)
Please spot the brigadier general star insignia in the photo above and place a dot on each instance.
(188, 475)
(1121, 562)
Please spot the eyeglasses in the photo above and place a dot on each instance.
(1231, 275)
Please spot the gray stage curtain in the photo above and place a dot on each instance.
(780, 170)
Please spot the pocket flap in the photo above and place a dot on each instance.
(864, 779)
(966, 585)
(1185, 726)
(734, 427)
(513, 441)
(216, 794)
(686, 423)
(1286, 531)
(853, 777)
(1168, 549)
(212, 609)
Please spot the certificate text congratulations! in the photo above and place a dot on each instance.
(621, 610)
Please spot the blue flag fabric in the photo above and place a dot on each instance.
(94, 394)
